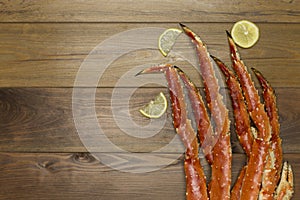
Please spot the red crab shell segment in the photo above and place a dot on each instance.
(218, 187)
(194, 180)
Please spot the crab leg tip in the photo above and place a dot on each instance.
(264, 83)
(139, 73)
(217, 60)
(228, 34)
(190, 33)
(213, 57)
(177, 68)
(182, 25)
(257, 73)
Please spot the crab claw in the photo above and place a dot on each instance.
(285, 188)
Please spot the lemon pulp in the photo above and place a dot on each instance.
(167, 39)
(155, 108)
(245, 33)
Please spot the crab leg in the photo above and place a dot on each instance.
(195, 178)
(252, 181)
(204, 129)
(221, 166)
(274, 162)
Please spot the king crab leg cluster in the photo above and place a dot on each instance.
(256, 125)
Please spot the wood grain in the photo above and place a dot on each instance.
(81, 176)
(148, 11)
(41, 120)
(44, 43)
(49, 55)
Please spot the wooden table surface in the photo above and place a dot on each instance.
(44, 43)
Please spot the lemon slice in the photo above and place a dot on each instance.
(167, 40)
(245, 33)
(155, 108)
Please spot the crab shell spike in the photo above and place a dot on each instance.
(285, 188)
(255, 107)
(204, 128)
(242, 121)
(221, 168)
(274, 162)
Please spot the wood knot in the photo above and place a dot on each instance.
(45, 164)
(83, 158)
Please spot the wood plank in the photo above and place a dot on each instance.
(81, 176)
(49, 55)
(41, 120)
(148, 11)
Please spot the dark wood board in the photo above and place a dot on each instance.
(41, 119)
(149, 11)
(81, 176)
(50, 54)
(43, 44)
